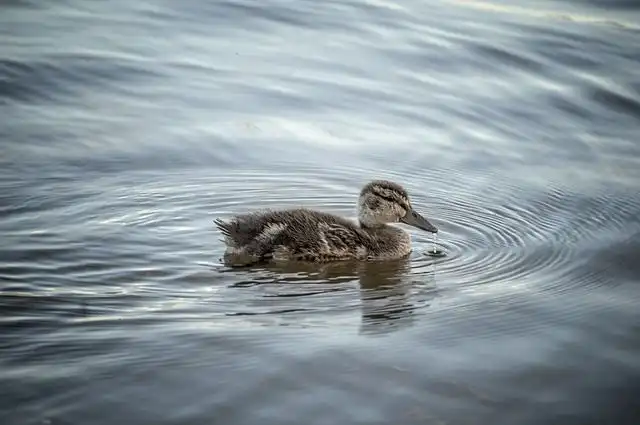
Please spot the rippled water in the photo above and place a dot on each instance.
(127, 127)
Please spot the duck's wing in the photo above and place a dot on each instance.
(302, 232)
(343, 239)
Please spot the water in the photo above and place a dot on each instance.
(128, 127)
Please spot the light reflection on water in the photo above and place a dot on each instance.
(128, 129)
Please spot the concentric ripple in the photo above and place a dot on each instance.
(497, 238)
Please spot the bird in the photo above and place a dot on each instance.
(302, 234)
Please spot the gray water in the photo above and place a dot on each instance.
(127, 127)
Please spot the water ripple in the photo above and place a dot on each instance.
(54, 78)
(535, 242)
(128, 127)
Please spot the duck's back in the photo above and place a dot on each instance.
(294, 234)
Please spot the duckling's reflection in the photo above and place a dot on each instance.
(385, 294)
(385, 287)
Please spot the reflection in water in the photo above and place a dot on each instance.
(385, 291)
(389, 293)
(295, 272)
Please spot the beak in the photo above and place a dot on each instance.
(414, 219)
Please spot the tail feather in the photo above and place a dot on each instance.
(240, 255)
(224, 227)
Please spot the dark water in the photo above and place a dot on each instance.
(127, 127)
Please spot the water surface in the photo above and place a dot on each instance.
(127, 129)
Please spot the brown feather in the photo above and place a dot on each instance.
(303, 234)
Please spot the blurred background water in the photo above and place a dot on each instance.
(127, 127)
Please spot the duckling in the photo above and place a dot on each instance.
(315, 236)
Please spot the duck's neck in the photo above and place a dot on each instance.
(387, 241)
(383, 232)
(371, 227)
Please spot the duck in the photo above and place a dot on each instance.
(301, 234)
